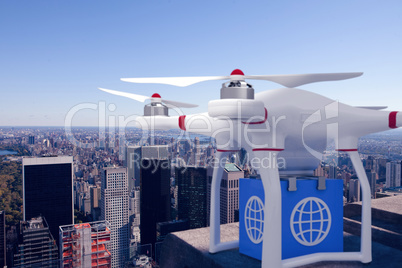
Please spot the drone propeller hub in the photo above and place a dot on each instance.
(155, 99)
(236, 75)
(237, 90)
(237, 72)
(156, 108)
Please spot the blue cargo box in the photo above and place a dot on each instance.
(312, 220)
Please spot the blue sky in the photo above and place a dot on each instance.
(55, 54)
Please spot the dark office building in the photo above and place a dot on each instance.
(155, 197)
(31, 140)
(192, 195)
(133, 157)
(3, 247)
(48, 190)
(36, 246)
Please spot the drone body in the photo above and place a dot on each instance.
(301, 122)
(291, 123)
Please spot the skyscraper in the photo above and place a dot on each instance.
(372, 179)
(2, 239)
(36, 245)
(134, 206)
(114, 209)
(393, 174)
(197, 152)
(155, 191)
(354, 190)
(132, 162)
(31, 140)
(149, 168)
(134, 215)
(229, 192)
(332, 171)
(134, 155)
(370, 163)
(192, 195)
(48, 190)
(85, 245)
(95, 193)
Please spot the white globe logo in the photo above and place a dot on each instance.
(254, 219)
(310, 221)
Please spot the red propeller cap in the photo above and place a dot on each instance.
(156, 95)
(237, 72)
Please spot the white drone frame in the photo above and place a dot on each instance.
(353, 122)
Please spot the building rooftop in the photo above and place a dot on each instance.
(391, 204)
(36, 223)
(41, 160)
(190, 248)
(230, 167)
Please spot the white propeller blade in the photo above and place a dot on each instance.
(174, 81)
(287, 80)
(295, 80)
(141, 98)
(126, 94)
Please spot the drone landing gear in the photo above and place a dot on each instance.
(215, 244)
(364, 255)
(272, 237)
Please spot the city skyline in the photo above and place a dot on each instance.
(56, 54)
(76, 156)
(89, 164)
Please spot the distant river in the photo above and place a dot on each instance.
(5, 152)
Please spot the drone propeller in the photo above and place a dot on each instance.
(154, 98)
(287, 80)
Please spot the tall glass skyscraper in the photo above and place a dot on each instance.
(48, 190)
(155, 190)
(192, 195)
(114, 209)
(149, 167)
(134, 156)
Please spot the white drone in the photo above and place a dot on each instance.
(291, 122)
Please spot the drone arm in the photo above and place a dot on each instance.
(203, 124)
(195, 123)
(355, 123)
(215, 234)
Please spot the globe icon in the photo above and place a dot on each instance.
(310, 221)
(254, 219)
